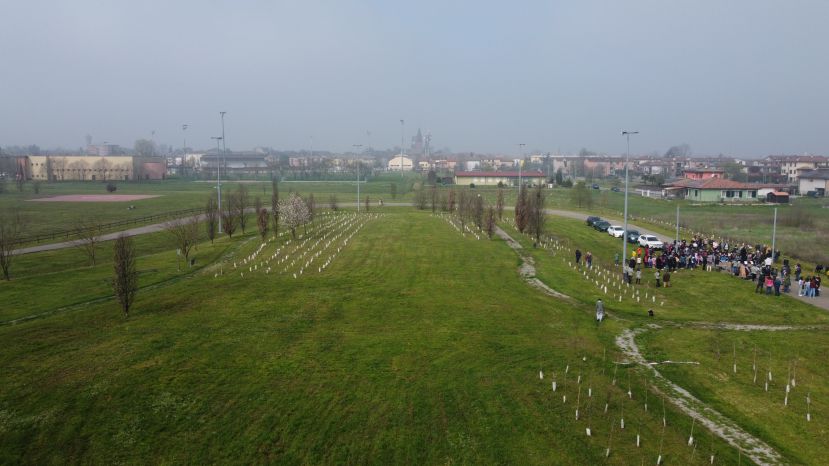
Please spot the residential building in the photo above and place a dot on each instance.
(94, 168)
(815, 181)
(510, 178)
(400, 163)
(714, 190)
(793, 166)
(703, 173)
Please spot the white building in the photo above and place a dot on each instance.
(400, 163)
(815, 180)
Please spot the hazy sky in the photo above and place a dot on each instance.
(744, 78)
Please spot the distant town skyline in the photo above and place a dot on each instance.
(742, 78)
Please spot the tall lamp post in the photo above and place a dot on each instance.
(357, 160)
(402, 139)
(184, 147)
(627, 158)
(218, 179)
(520, 165)
(224, 142)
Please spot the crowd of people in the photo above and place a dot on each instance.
(755, 263)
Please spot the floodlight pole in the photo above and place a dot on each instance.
(627, 159)
(218, 179)
(357, 159)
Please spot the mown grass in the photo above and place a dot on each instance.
(415, 346)
(746, 401)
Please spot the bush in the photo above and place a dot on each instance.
(111, 187)
(472, 185)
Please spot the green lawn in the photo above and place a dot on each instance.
(746, 401)
(415, 346)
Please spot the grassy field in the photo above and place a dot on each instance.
(414, 345)
(394, 354)
(796, 354)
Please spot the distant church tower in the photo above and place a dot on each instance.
(417, 143)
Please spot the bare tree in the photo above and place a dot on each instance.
(275, 206)
(489, 221)
(185, 233)
(312, 207)
(421, 199)
(125, 282)
(257, 206)
(228, 222)
(11, 229)
(262, 222)
(211, 218)
(89, 232)
(535, 214)
(499, 204)
(451, 200)
(521, 211)
(477, 211)
(433, 197)
(333, 203)
(368, 203)
(239, 206)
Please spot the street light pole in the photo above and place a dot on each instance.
(520, 166)
(773, 235)
(224, 142)
(357, 159)
(218, 179)
(402, 139)
(184, 148)
(627, 159)
(677, 224)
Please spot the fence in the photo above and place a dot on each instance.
(69, 234)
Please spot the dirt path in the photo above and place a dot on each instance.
(527, 268)
(759, 451)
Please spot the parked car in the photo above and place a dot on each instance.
(633, 236)
(601, 225)
(615, 189)
(616, 231)
(650, 241)
(592, 219)
(595, 186)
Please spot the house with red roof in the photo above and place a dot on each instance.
(714, 190)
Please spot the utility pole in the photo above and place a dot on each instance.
(677, 224)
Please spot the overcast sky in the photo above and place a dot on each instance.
(739, 77)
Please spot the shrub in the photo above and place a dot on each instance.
(111, 187)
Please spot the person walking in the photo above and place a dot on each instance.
(657, 275)
(787, 283)
(777, 283)
(588, 258)
(666, 279)
(599, 311)
(638, 276)
(578, 257)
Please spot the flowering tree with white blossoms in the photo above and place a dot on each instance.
(293, 213)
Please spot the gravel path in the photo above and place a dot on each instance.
(527, 268)
(759, 451)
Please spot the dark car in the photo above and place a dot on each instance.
(601, 225)
(595, 186)
(592, 219)
(633, 236)
(615, 189)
